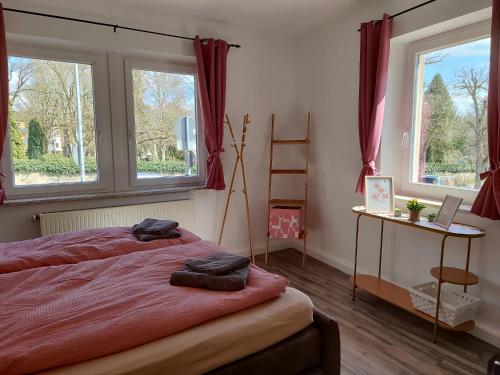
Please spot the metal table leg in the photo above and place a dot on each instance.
(381, 246)
(467, 261)
(438, 301)
(355, 260)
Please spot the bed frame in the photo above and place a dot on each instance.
(314, 350)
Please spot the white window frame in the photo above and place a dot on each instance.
(413, 109)
(104, 183)
(161, 182)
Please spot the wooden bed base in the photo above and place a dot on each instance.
(314, 350)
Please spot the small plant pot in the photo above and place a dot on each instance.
(397, 212)
(414, 216)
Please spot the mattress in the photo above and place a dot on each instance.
(209, 345)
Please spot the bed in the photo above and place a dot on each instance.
(99, 302)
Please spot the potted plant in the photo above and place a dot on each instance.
(397, 212)
(415, 207)
(431, 217)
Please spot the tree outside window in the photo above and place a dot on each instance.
(452, 118)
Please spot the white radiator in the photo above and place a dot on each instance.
(73, 221)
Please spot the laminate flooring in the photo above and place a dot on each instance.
(376, 337)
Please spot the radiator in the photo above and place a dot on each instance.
(73, 221)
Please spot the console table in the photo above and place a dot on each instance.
(399, 296)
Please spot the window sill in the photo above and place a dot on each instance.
(76, 197)
(429, 203)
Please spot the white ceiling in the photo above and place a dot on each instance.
(288, 17)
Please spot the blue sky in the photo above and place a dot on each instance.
(471, 54)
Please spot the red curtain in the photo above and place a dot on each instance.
(4, 93)
(373, 67)
(211, 58)
(487, 203)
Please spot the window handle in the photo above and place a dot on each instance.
(404, 139)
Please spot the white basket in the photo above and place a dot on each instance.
(455, 307)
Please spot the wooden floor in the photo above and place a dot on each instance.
(376, 337)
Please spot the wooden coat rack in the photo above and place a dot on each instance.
(239, 149)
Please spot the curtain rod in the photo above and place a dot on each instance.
(409, 10)
(114, 27)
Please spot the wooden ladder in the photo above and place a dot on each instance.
(302, 203)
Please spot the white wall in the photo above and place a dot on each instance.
(328, 58)
(260, 80)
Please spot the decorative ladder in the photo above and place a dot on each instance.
(302, 203)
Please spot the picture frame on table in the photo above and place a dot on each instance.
(448, 210)
(379, 194)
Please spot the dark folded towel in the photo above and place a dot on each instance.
(218, 264)
(145, 237)
(234, 281)
(154, 226)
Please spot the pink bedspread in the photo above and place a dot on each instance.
(70, 248)
(58, 315)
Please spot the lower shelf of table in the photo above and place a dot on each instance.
(400, 297)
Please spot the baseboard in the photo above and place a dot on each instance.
(261, 248)
(482, 331)
(335, 263)
(487, 333)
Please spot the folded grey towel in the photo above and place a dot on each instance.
(145, 237)
(154, 226)
(234, 281)
(218, 264)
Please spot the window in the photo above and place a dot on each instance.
(60, 141)
(449, 140)
(163, 122)
(52, 124)
(53, 136)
